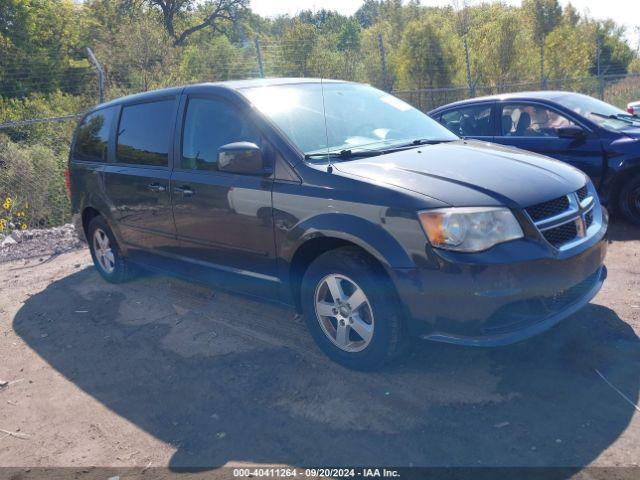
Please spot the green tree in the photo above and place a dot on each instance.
(368, 13)
(296, 49)
(210, 14)
(325, 21)
(498, 42)
(140, 56)
(570, 15)
(570, 51)
(348, 46)
(612, 54)
(544, 16)
(40, 47)
(349, 37)
(216, 59)
(427, 59)
(371, 59)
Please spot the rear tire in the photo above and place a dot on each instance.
(629, 200)
(106, 253)
(351, 310)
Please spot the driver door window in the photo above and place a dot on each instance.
(208, 125)
(525, 120)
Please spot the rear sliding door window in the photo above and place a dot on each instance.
(92, 138)
(143, 133)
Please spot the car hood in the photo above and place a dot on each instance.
(633, 132)
(470, 173)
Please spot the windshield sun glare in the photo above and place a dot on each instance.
(336, 117)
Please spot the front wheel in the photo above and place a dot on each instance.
(351, 310)
(629, 200)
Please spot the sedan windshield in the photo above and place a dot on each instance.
(601, 113)
(337, 118)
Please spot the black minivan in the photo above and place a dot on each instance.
(373, 220)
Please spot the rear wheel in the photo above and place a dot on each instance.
(351, 309)
(106, 253)
(629, 200)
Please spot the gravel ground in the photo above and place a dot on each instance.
(21, 244)
(159, 372)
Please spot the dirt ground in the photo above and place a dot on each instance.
(160, 372)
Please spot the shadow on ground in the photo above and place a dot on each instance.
(621, 231)
(223, 378)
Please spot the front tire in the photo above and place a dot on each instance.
(629, 200)
(351, 310)
(106, 253)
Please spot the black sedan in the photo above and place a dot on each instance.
(594, 136)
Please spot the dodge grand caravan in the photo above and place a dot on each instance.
(361, 212)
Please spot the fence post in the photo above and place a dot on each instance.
(472, 87)
(600, 75)
(383, 63)
(259, 55)
(100, 70)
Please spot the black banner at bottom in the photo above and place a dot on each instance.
(283, 472)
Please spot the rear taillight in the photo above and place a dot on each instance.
(630, 110)
(67, 182)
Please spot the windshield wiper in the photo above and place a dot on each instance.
(417, 143)
(348, 154)
(344, 154)
(622, 118)
(432, 141)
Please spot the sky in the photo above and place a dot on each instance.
(624, 12)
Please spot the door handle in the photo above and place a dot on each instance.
(156, 187)
(185, 190)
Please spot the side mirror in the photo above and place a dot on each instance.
(241, 157)
(570, 131)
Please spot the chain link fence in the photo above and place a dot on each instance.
(34, 145)
(615, 89)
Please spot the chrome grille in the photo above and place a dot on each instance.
(562, 234)
(564, 221)
(548, 209)
(582, 193)
(588, 218)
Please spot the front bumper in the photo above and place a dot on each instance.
(500, 297)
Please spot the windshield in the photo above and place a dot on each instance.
(358, 117)
(599, 112)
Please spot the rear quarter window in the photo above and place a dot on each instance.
(473, 121)
(144, 133)
(92, 137)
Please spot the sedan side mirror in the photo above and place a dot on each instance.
(570, 131)
(241, 157)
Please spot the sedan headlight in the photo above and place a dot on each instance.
(470, 229)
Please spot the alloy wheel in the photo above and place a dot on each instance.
(344, 313)
(103, 251)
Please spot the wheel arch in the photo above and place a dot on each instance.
(337, 231)
(620, 179)
(88, 214)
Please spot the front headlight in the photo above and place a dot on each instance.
(471, 229)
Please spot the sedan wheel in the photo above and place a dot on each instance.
(629, 200)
